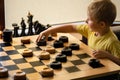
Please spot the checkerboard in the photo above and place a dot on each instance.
(75, 67)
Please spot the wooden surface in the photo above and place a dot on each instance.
(82, 71)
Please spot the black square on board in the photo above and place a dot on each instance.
(1, 49)
(4, 58)
(11, 52)
(19, 47)
(36, 63)
(12, 67)
(81, 56)
(0, 64)
(72, 69)
(5, 44)
(78, 62)
(18, 61)
(29, 70)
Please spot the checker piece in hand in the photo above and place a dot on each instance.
(42, 42)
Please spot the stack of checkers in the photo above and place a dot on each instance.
(42, 59)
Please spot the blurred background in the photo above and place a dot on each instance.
(48, 11)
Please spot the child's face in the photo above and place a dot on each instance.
(92, 23)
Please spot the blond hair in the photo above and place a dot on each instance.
(102, 10)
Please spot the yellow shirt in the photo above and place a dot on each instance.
(107, 42)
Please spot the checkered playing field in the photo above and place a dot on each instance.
(75, 67)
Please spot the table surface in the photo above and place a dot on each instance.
(75, 67)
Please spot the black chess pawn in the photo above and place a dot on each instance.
(23, 25)
(16, 27)
(30, 23)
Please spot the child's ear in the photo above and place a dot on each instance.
(102, 24)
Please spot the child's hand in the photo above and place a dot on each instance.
(41, 35)
(101, 54)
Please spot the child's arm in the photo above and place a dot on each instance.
(105, 54)
(55, 29)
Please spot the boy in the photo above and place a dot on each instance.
(101, 14)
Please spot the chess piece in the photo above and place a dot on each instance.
(38, 27)
(15, 34)
(7, 35)
(23, 25)
(48, 25)
(30, 23)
